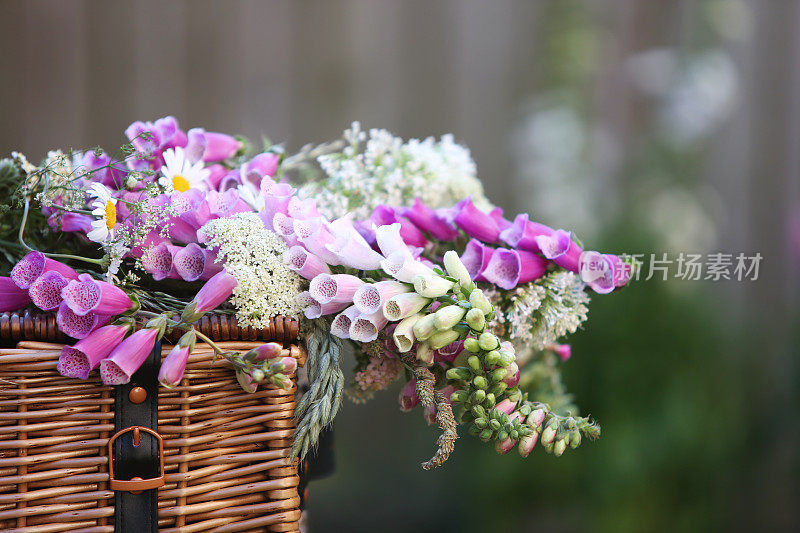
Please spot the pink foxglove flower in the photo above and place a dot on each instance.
(506, 406)
(78, 326)
(427, 220)
(559, 248)
(313, 309)
(476, 258)
(12, 297)
(86, 295)
(338, 288)
(174, 365)
(403, 334)
(192, 263)
(370, 297)
(78, 360)
(597, 271)
(128, 356)
(522, 234)
(314, 234)
(512, 375)
(365, 328)
(33, 265)
(215, 291)
(622, 271)
(46, 290)
(384, 215)
(527, 443)
(404, 305)
(157, 260)
(276, 200)
(74, 222)
(219, 146)
(408, 398)
(509, 268)
(404, 267)
(450, 352)
(564, 351)
(476, 223)
(340, 327)
(304, 263)
(390, 241)
(351, 248)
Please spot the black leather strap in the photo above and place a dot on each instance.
(137, 513)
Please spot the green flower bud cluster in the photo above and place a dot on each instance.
(556, 432)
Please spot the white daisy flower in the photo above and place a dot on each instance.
(104, 207)
(178, 173)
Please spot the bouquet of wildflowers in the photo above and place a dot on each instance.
(386, 245)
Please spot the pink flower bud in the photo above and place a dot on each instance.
(172, 368)
(512, 375)
(506, 406)
(304, 263)
(527, 443)
(504, 446)
(215, 291)
(408, 396)
(269, 350)
(289, 364)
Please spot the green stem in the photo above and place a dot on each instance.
(21, 239)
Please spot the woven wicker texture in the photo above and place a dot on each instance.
(227, 466)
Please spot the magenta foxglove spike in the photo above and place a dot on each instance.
(86, 295)
(127, 357)
(12, 298)
(476, 258)
(78, 360)
(477, 224)
(560, 248)
(508, 268)
(522, 233)
(427, 220)
(304, 263)
(33, 265)
(46, 290)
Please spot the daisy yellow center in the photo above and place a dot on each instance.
(111, 215)
(179, 183)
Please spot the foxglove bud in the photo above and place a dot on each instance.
(258, 375)
(504, 446)
(506, 358)
(479, 412)
(431, 285)
(279, 380)
(474, 363)
(486, 435)
(448, 316)
(499, 388)
(499, 374)
(527, 443)
(511, 377)
(270, 350)
(478, 396)
(558, 447)
(471, 345)
(536, 418)
(574, 438)
(492, 358)
(459, 396)
(424, 327)
(502, 434)
(476, 320)
(403, 334)
(488, 341)
(286, 365)
(490, 400)
(548, 435)
(425, 353)
(481, 423)
(456, 269)
(479, 300)
(495, 424)
(480, 382)
(459, 374)
(440, 339)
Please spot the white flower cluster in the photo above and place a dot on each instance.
(392, 172)
(253, 255)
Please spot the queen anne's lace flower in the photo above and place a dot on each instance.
(253, 255)
(389, 171)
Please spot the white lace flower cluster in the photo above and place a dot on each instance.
(253, 255)
(392, 172)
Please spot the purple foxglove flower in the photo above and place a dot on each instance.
(220, 146)
(508, 268)
(313, 309)
(12, 297)
(195, 145)
(476, 258)
(408, 396)
(502, 222)
(564, 351)
(427, 220)
(559, 248)
(215, 291)
(127, 357)
(33, 265)
(316, 237)
(143, 136)
(412, 236)
(215, 174)
(597, 271)
(370, 297)
(512, 375)
(158, 261)
(46, 290)
(365, 328)
(78, 360)
(326, 288)
(192, 263)
(266, 164)
(506, 406)
(351, 248)
(304, 263)
(477, 224)
(404, 305)
(73, 222)
(340, 326)
(404, 267)
(276, 200)
(403, 334)
(86, 295)
(390, 241)
(527, 443)
(78, 326)
(622, 270)
(302, 209)
(522, 233)
(167, 128)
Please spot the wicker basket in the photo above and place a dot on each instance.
(226, 451)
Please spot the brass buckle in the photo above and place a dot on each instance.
(137, 484)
